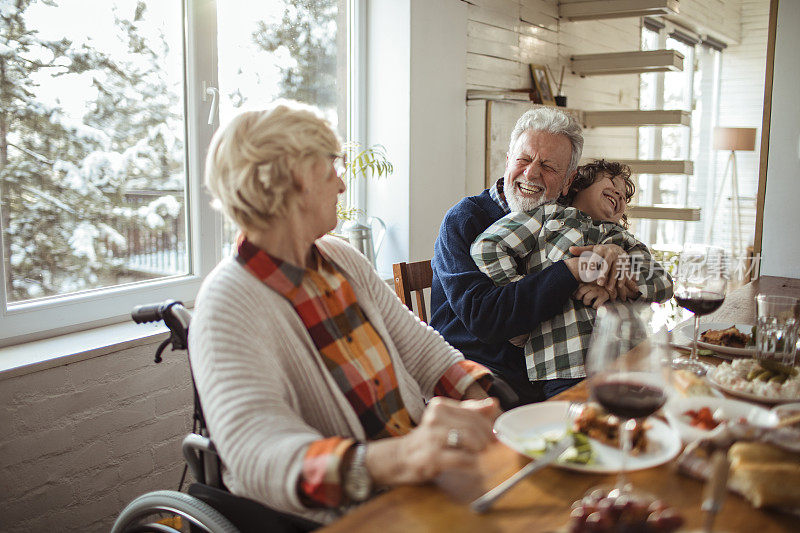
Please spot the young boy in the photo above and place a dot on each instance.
(592, 212)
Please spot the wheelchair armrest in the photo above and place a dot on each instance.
(202, 457)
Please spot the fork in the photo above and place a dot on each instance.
(485, 502)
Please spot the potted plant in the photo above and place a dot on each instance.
(363, 163)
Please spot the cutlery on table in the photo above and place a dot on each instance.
(482, 504)
(715, 489)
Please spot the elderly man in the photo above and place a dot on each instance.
(467, 308)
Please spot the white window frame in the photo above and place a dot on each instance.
(356, 195)
(57, 315)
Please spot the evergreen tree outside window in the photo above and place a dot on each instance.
(91, 145)
(103, 134)
(295, 49)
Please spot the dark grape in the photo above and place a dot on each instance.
(609, 512)
(579, 514)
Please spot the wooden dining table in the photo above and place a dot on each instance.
(542, 503)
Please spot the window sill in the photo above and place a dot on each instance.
(36, 356)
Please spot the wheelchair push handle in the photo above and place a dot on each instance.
(174, 315)
(149, 312)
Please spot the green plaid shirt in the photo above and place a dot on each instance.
(530, 242)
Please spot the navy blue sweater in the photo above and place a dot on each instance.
(472, 313)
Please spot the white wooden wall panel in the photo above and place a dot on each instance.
(504, 33)
(493, 49)
(493, 17)
(505, 36)
(741, 105)
(719, 18)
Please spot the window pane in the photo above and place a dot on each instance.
(92, 144)
(293, 50)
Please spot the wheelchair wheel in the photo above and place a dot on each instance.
(153, 512)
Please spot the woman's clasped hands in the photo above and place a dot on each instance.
(450, 435)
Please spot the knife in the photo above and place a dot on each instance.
(716, 486)
(482, 504)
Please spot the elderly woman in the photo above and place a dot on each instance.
(313, 376)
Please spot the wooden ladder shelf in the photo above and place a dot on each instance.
(663, 117)
(627, 62)
(653, 212)
(654, 166)
(607, 9)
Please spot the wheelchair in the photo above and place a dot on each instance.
(208, 506)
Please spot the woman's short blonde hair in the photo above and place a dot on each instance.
(250, 162)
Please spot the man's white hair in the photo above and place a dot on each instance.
(551, 120)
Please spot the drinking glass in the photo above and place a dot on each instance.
(628, 368)
(700, 285)
(777, 326)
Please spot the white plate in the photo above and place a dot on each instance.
(729, 410)
(684, 333)
(521, 428)
(787, 409)
(746, 395)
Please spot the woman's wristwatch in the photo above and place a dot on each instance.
(357, 481)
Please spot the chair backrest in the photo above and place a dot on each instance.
(413, 277)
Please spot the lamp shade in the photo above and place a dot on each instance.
(739, 139)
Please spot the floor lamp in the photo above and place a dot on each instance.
(733, 140)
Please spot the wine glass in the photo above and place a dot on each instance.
(628, 370)
(700, 285)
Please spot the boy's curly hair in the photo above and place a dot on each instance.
(587, 174)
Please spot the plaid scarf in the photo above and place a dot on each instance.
(350, 347)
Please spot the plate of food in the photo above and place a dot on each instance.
(758, 381)
(696, 417)
(736, 340)
(531, 429)
(788, 414)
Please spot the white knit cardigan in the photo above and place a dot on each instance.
(265, 391)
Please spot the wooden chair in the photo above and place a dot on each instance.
(413, 277)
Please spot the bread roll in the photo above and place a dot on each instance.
(765, 475)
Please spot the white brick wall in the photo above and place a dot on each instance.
(80, 441)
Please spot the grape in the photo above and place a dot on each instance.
(579, 514)
(606, 507)
(657, 505)
(622, 514)
(596, 522)
(595, 496)
(670, 520)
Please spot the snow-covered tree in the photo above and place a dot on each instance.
(307, 34)
(62, 178)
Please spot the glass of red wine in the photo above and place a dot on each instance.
(628, 368)
(700, 285)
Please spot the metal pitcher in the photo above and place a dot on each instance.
(360, 236)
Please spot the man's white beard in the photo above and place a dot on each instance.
(517, 204)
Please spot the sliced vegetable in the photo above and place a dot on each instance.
(581, 451)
